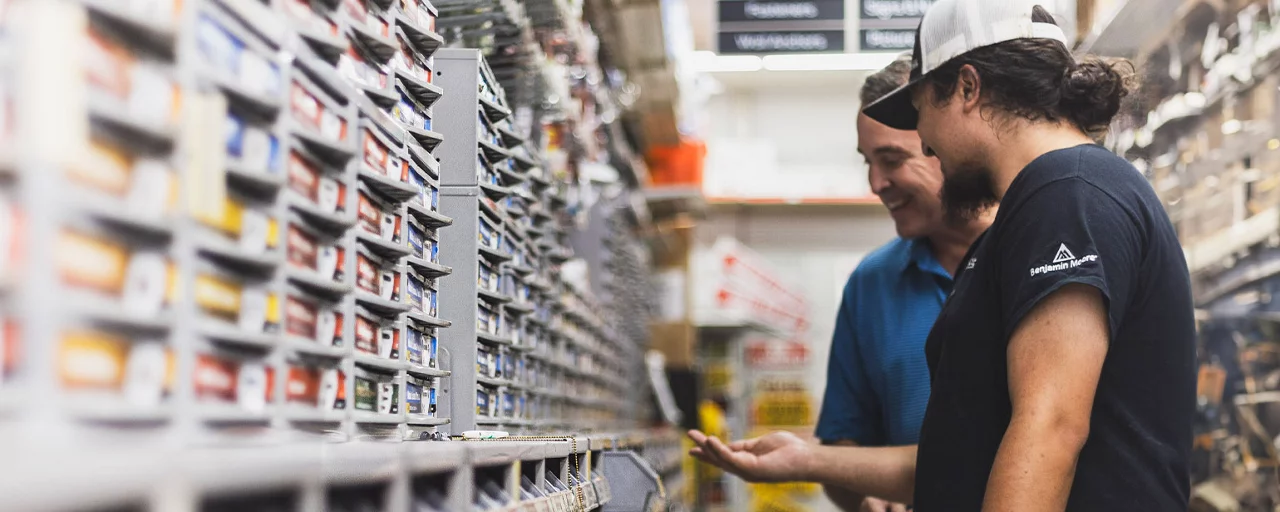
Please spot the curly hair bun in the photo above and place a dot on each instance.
(1092, 91)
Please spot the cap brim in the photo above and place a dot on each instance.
(895, 109)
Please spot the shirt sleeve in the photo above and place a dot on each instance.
(1069, 231)
(849, 411)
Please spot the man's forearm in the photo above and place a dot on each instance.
(883, 472)
(1034, 467)
(844, 499)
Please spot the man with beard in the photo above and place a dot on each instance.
(1063, 365)
(877, 377)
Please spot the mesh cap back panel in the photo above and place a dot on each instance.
(953, 27)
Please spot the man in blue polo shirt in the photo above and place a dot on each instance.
(877, 376)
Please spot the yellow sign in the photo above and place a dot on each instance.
(785, 408)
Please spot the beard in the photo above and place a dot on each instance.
(967, 193)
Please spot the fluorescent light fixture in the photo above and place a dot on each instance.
(710, 62)
(829, 62)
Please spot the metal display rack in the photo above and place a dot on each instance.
(537, 357)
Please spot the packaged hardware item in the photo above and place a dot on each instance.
(508, 405)
(482, 402)
(366, 394)
(415, 345)
(426, 16)
(408, 61)
(417, 239)
(487, 319)
(367, 17)
(488, 235)
(229, 55)
(248, 384)
(366, 335)
(391, 227)
(408, 111)
(333, 388)
(325, 191)
(382, 160)
(368, 273)
(430, 299)
(389, 287)
(308, 110)
(147, 185)
(509, 367)
(10, 348)
(310, 321)
(144, 87)
(141, 371)
(143, 281)
(484, 361)
(369, 214)
(252, 308)
(388, 398)
(356, 67)
(420, 184)
(255, 231)
(416, 286)
(252, 146)
(302, 386)
(486, 278)
(413, 395)
(389, 342)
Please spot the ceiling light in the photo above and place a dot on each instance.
(1232, 126)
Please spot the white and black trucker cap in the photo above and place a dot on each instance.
(949, 29)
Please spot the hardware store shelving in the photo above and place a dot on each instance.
(230, 260)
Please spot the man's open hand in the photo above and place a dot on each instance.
(777, 457)
(878, 505)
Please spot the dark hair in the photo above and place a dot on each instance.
(883, 82)
(1039, 80)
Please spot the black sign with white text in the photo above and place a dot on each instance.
(792, 41)
(781, 10)
(894, 9)
(887, 39)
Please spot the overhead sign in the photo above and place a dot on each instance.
(889, 25)
(803, 10)
(894, 9)
(781, 26)
(877, 39)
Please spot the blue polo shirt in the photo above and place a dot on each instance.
(877, 377)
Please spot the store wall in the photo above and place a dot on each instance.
(784, 135)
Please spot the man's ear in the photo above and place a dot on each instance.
(968, 87)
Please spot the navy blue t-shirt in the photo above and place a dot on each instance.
(1076, 215)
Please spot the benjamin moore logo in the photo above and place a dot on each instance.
(1063, 254)
(1063, 260)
